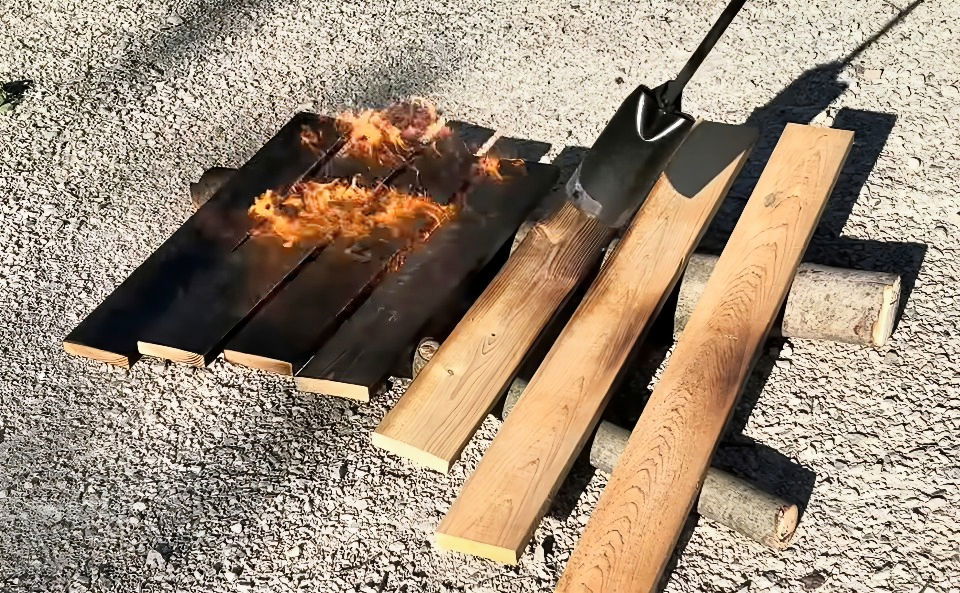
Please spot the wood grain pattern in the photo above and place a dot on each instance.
(502, 503)
(110, 332)
(364, 350)
(635, 527)
(442, 408)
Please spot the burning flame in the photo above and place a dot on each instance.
(489, 166)
(390, 136)
(321, 212)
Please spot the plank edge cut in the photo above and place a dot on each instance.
(255, 361)
(453, 543)
(114, 358)
(331, 387)
(171, 353)
(410, 452)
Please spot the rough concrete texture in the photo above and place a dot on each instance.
(167, 478)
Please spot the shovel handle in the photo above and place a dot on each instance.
(672, 90)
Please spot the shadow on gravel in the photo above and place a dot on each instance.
(391, 71)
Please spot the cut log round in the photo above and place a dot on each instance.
(423, 353)
(824, 303)
(208, 184)
(724, 498)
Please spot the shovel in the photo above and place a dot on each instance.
(635, 146)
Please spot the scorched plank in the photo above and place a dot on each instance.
(283, 335)
(110, 332)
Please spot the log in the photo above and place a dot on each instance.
(824, 303)
(503, 501)
(422, 355)
(363, 351)
(444, 406)
(201, 244)
(209, 183)
(632, 533)
(724, 498)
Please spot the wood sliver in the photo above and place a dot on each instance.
(655, 483)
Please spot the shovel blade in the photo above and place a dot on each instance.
(627, 158)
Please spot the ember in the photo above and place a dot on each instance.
(321, 212)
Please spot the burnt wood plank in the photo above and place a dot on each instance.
(283, 335)
(195, 330)
(200, 320)
(364, 349)
(110, 332)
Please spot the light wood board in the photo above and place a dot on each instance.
(635, 527)
(502, 503)
(442, 408)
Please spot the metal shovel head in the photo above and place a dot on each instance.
(627, 158)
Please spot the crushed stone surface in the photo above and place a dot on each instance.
(166, 478)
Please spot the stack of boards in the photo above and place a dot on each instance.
(339, 326)
(653, 486)
(310, 310)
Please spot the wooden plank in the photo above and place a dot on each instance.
(110, 332)
(206, 314)
(285, 333)
(361, 354)
(201, 318)
(442, 408)
(634, 529)
(502, 503)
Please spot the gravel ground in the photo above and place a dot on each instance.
(223, 479)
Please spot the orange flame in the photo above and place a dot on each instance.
(391, 135)
(321, 212)
(489, 166)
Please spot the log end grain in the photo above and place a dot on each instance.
(411, 452)
(120, 360)
(173, 354)
(336, 388)
(748, 510)
(883, 328)
(786, 527)
(209, 183)
(254, 361)
(493, 552)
